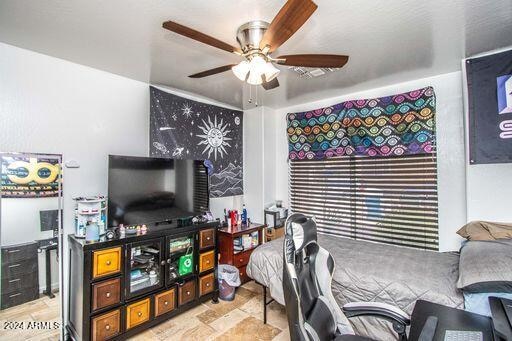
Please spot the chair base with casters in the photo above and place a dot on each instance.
(312, 312)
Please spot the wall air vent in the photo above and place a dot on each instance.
(307, 72)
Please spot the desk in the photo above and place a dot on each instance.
(448, 319)
(47, 245)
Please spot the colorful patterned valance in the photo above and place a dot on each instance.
(394, 125)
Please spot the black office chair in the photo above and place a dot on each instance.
(312, 312)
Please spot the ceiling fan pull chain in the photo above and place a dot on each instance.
(256, 96)
(250, 93)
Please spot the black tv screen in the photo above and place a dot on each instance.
(143, 190)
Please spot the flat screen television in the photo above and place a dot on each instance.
(145, 190)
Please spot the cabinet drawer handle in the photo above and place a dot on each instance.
(13, 251)
(207, 261)
(188, 293)
(207, 284)
(108, 262)
(14, 295)
(14, 265)
(14, 280)
(241, 260)
(139, 314)
(166, 303)
(108, 294)
(107, 327)
(208, 238)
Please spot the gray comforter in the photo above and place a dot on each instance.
(368, 271)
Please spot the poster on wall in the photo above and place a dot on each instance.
(181, 128)
(489, 81)
(30, 176)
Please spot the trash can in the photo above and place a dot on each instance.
(229, 279)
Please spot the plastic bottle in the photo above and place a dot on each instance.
(244, 215)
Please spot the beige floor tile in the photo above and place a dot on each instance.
(208, 316)
(250, 329)
(253, 307)
(254, 287)
(148, 335)
(245, 292)
(229, 320)
(283, 336)
(200, 332)
(224, 307)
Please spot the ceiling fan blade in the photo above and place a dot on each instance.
(196, 35)
(212, 71)
(274, 83)
(314, 60)
(288, 21)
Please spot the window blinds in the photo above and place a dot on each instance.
(383, 199)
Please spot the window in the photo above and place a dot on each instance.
(383, 199)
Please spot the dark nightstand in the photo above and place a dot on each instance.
(238, 258)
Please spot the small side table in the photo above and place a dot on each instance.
(227, 253)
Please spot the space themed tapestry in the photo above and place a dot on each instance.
(181, 128)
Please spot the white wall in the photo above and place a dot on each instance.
(450, 142)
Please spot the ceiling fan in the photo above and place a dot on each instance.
(258, 40)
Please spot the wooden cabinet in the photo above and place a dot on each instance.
(227, 251)
(106, 262)
(106, 293)
(106, 326)
(103, 302)
(165, 302)
(206, 284)
(137, 313)
(187, 292)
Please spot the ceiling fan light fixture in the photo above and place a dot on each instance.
(241, 70)
(270, 72)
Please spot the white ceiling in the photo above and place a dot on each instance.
(388, 41)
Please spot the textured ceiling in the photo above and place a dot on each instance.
(388, 41)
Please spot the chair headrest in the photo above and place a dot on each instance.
(302, 230)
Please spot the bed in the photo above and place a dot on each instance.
(367, 271)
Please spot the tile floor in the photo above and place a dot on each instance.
(241, 319)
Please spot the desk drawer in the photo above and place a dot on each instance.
(106, 326)
(165, 302)
(206, 261)
(187, 292)
(106, 262)
(206, 284)
(18, 297)
(137, 313)
(106, 293)
(20, 282)
(206, 238)
(17, 253)
(16, 269)
(242, 258)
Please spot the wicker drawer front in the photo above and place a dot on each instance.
(165, 302)
(206, 261)
(206, 284)
(137, 313)
(242, 258)
(206, 238)
(106, 262)
(106, 293)
(187, 292)
(106, 326)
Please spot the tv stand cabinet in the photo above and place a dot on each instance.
(123, 286)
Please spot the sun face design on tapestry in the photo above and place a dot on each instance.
(185, 129)
(215, 137)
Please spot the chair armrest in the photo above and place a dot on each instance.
(383, 310)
